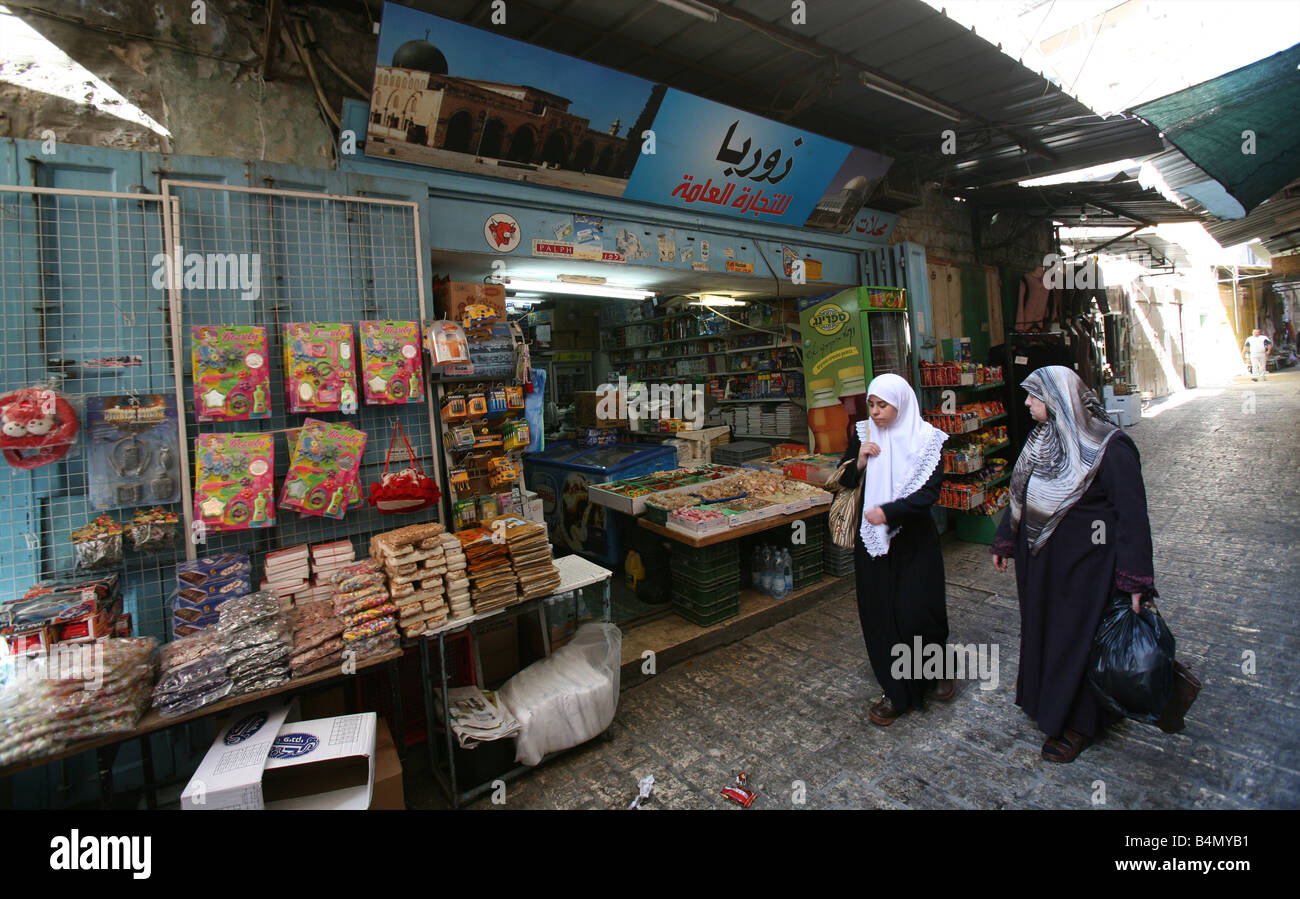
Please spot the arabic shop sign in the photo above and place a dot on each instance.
(712, 158)
(451, 96)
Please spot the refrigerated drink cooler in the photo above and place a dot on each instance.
(849, 338)
(561, 473)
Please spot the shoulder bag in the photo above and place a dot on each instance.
(846, 508)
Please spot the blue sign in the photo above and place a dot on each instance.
(245, 728)
(292, 746)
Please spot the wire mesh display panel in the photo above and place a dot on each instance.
(311, 258)
(81, 315)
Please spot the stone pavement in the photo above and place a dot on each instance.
(788, 704)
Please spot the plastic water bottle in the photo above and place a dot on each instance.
(756, 568)
(787, 573)
(768, 570)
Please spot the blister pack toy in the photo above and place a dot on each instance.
(323, 476)
(234, 481)
(134, 448)
(391, 372)
(319, 370)
(232, 377)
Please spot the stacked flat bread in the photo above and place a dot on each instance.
(530, 558)
(415, 562)
(492, 580)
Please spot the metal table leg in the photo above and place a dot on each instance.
(446, 719)
(146, 760)
(426, 688)
(106, 755)
(399, 719)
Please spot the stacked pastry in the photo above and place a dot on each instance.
(317, 637)
(415, 562)
(458, 595)
(287, 573)
(369, 614)
(493, 581)
(530, 557)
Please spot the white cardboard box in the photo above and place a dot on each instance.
(321, 765)
(230, 775)
(268, 759)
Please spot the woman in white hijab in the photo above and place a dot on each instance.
(1078, 532)
(899, 564)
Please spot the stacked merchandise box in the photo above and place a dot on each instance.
(415, 563)
(203, 585)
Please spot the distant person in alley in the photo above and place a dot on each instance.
(898, 562)
(1078, 532)
(1257, 348)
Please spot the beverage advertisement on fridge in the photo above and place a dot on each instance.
(849, 338)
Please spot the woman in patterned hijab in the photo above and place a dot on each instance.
(1078, 532)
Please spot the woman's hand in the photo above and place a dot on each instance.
(875, 515)
(1000, 562)
(1137, 603)
(868, 450)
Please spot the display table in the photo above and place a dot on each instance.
(152, 722)
(743, 530)
(576, 573)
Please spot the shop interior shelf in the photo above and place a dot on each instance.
(638, 346)
(766, 399)
(970, 388)
(988, 421)
(755, 349)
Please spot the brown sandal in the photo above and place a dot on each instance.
(1065, 748)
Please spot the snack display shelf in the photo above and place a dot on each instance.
(723, 535)
(970, 388)
(765, 399)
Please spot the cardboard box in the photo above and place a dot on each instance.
(587, 405)
(498, 649)
(451, 298)
(230, 775)
(322, 765)
(388, 793)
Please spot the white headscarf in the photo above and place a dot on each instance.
(910, 448)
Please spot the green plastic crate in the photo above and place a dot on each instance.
(697, 595)
(705, 557)
(704, 577)
(709, 619)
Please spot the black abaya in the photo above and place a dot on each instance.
(1103, 544)
(901, 594)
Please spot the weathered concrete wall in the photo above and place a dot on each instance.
(943, 226)
(202, 82)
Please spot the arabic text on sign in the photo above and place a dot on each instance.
(689, 191)
(733, 156)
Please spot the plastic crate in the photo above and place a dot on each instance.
(806, 577)
(704, 574)
(707, 619)
(706, 557)
(724, 591)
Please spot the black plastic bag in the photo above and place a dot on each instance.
(1131, 667)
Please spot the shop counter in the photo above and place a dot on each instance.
(722, 536)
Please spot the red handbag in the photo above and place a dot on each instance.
(407, 490)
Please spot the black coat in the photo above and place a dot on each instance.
(1101, 545)
(901, 594)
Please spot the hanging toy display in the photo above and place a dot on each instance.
(134, 450)
(408, 490)
(37, 426)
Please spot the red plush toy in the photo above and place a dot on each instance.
(37, 421)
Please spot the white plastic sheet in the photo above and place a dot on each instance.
(569, 698)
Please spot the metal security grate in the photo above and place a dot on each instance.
(80, 315)
(319, 258)
(90, 310)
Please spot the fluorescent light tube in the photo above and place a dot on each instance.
(586, 290)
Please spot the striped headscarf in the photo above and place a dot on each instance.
(1061, 455)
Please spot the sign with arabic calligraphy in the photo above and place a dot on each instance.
(714, 159)
(455, 97)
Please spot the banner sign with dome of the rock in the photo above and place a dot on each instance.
(455, 97)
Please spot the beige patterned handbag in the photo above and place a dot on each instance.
(846, 508)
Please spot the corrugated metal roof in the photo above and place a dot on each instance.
(1118, 202)
(1014, 124)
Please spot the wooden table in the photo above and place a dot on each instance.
(152, 722)
(743, 530)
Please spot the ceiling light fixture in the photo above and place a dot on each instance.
(906, 95)
(699, 10)
(712, 300)
(578, 289)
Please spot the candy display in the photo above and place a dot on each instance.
(37, 426)
(323, 471)
(967, 417)
(959, 374)
(98, 544)
(234, 481)
(390, 363)
(319, 370)
(134, 450)
(203, 585)
(153, 531)
(963, 497)
(192, 674)
(232, 378)
(62, 609)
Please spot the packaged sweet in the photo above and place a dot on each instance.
(185, 703)
(232, 378)
(98, 544)
(37, 426)
(324, 468)
(269, 631)
(154, 531)
(247, 610)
